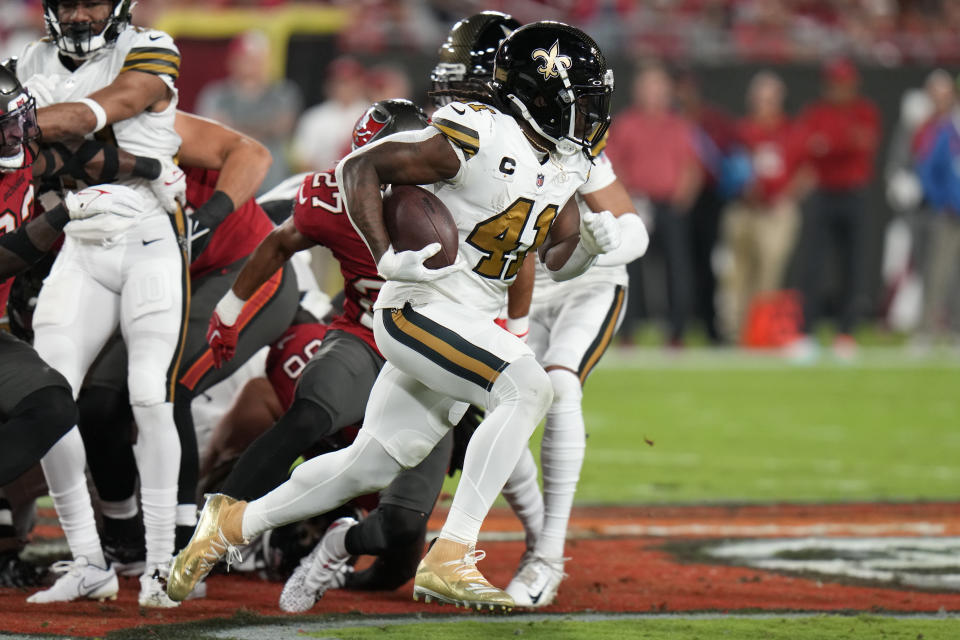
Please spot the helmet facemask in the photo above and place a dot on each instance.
(80, 40)
(18, 126)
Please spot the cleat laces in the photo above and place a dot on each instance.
(467, 571)
(219, 548)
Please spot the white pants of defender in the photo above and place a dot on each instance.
(440, 356)
(569, 333)
(136, 281)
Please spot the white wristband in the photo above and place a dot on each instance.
(98, 112)
(229, 308)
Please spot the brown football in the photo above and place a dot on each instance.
(414, 218)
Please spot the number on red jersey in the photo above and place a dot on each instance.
(322, 191)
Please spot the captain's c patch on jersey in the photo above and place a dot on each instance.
(155, 60)
(464, 137)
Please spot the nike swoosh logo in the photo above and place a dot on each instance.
(146, 242)
(157, 37)
(214, 335)
(86, 589)
(300, 196)
(460, 111)
(284, 341)
(174, 181)
(196, 231)
(535, 599)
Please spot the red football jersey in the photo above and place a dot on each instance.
(319, 215)
(16, 187)
(236, 237)
(289, 355)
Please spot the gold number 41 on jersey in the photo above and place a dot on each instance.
(499, 238)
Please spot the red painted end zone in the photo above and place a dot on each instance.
(629, 573)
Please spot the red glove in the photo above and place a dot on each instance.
(222, 339)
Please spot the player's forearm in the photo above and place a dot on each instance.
(244, 168)
(521, 291)
(31, 241)
(634, 241)
(576, 262)
(269, 256)
(94, 162)
(360, 187)
(66, 120)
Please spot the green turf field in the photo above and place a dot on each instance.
(735, 427)
(814, 628)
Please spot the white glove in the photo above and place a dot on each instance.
(599, 232)
(407, 266)
(41, 87)
(170, 187)
(105, 198)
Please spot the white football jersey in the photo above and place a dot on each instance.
(546, 288)
(503, 199)
(145, 50)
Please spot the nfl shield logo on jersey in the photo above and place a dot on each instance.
(539, 180)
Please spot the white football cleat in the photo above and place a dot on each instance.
(318, 571)
(153, 588)
(536, 581)
(80, 579)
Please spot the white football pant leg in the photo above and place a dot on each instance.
(75, 316)
(561, 454)
(151, 321)
(523, 495)
(518, 400)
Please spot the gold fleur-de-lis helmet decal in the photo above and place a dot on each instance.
(552, 60)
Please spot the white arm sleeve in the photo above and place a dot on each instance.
(578, 262)
(634, 241)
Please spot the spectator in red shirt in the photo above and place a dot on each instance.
(839, 133)
(652, 150)
(760, 228)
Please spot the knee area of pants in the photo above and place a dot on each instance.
(526, 384)
(146, 387)
(520, 379)
(567, 391)
(306, 423)
(402, 526)
(54, 406)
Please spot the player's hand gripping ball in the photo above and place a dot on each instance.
(423, 236)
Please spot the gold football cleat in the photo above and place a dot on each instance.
(458, 581)
(217, 535)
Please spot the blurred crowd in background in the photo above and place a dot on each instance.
(760, 216)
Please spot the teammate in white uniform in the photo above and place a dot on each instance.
(505, 177)
(570, 325)
(114, 81)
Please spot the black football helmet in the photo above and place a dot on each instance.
(79, 40)
(556, 78)
(18, 121)
(386, 117)
(466, 58)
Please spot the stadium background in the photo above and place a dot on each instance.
(848, 450)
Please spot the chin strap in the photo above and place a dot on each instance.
(12, 163)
